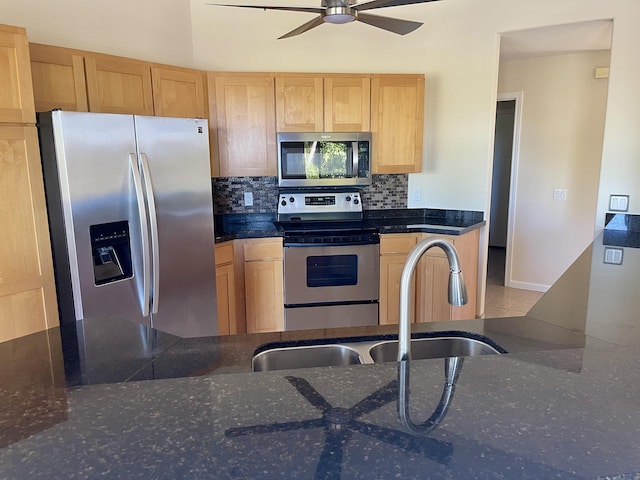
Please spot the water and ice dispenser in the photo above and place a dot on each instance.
(111, 251)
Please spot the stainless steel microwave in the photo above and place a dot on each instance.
(324, 159)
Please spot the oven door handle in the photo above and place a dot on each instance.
(329, 244)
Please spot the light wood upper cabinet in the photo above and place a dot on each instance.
(242, 123)
(299, 104)
(178, 93)
(58, 78)
(118, 85)
(311, 103)
(16, 90)
(397, 120)
(347, 104)
(27, 289)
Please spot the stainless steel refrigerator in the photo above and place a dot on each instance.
(131, 218)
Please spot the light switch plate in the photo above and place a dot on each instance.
(560, 194)
(619, 203)
(613, 255)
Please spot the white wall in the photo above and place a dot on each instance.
(563, 112)
(154, 30)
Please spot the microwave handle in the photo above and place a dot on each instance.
(354, 163)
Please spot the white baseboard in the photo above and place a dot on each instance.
(529, 286)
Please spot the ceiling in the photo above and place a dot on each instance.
(556, 40)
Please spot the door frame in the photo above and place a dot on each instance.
(513, 182)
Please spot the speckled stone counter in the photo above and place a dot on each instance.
(447, 222)
(563, 403)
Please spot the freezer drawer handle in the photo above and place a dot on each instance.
(153, 221)
(144, 233)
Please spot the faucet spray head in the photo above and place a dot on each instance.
(457, 289)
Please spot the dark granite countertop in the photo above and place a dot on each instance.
(446, 222)
(563, 403)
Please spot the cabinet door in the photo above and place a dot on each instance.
(299, 104)
(118, 85)
(394, 249)
(347, 104)
(397, 119)
(243, 118)
(178, 93)
(225, 289)
(58, 79)
(16, 91)
(27, 289)
(433, 279)
(432, 301)
(264, 296)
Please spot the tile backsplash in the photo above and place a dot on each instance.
(385, 192)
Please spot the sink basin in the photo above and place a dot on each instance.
(305, 357)
(436, 347)
(366, 350)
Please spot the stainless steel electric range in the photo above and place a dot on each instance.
(331, 260)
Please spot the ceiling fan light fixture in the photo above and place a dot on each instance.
(339, 15)
(339, 19)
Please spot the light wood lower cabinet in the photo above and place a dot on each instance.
(394, 249)
(264, 285)
(430, 298)
(225, 289)
(27, 289)
(432, 304)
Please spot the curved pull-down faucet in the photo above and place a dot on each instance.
(457, 289)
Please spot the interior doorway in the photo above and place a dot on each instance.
(503, 186)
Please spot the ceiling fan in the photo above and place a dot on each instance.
(345, 11)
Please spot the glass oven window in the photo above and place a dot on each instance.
(332, 270)
(302, 160)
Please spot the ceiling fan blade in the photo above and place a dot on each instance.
(386, 3)
(303, 28)
(395, 25)
(266, 7)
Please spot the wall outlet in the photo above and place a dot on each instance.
(613, 255)
(417, 194)
(619, 203)
(248, 199)
(560, 194)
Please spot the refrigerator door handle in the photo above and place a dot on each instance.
(144, 233)
(153, 222)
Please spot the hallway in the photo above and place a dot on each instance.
(501, 301)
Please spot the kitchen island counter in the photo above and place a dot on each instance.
(562, 404)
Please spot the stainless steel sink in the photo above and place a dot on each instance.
(435, 347)
(305, 357)
(367, 350)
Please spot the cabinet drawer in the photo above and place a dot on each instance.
(437, 251)
(263, 249)
(397, 243)
(224, 253)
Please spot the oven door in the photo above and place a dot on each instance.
(331, 274)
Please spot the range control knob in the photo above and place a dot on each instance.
(348, 198)
(356, 201)
(291, 199)
(283, 203)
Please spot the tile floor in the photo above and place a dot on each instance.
(501, 301)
